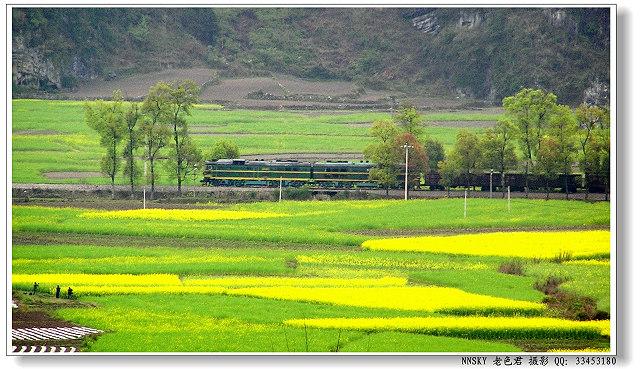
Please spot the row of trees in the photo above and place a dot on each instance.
(157, 126)
(536, 135)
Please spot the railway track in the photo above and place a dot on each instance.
(31, 189)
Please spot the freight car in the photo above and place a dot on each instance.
(345, 174)
(516, 181)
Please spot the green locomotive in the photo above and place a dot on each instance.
(292, 173)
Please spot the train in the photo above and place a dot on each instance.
(355, 175)
(288, 173)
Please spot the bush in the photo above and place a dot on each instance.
(514, 267)
(292, 193)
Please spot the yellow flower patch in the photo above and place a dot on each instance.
(425, 299)
(300, 282)
(145, 290)
(467, 327)
(98, 279)
(511, 244)
(179, 214)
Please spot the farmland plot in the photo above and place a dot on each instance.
(291, 277)
(51, 137)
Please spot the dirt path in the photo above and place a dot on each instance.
(35, 331)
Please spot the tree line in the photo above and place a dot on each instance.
(537, 135)
(158, 127)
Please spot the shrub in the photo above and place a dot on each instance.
(514, 267)
(302, 193)
(549, 286)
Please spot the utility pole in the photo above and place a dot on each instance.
(406, 148)
(491, 184)
(195, 169)
(144, 189)
(465, 204)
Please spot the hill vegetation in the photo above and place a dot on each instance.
(482, 53)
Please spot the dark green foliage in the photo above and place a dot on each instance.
(435, 152)
(292, 193)
(223, 149)
(484, 52)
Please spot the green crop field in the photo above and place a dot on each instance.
(297, 277)
(52, 136)
(314, 276)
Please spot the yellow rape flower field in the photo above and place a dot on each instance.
(179, 214)
(472, 326)
(291, 281)
(312, 277)
(98, 279)
(543, 245)
(425, 299)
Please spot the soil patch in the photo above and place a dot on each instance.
(46, 238)
(35, 311)
(70, 175)
(43, 132)
(137, 87)
(38, 311)
(461, 123)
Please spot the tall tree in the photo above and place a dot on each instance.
(530, 111)
(588, 118)
(181, 98)
(498, 151)
(449, 171)
(107, 119)
(417, 162)
(382, 153)
(190, 156)
(409, 120)
(466, 152)
(384, 130)
(154, 130)
(548, 161)
(133, 139)
(435, 152)
(562, 129)
(597, 160)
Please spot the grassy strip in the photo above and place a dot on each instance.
(483, 281)
(198, 323)
(322, 222)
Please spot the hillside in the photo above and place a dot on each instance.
(438, 52)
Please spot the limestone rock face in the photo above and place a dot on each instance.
(29, 67)
(469, 19)
(597, 94)
(427, 23)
